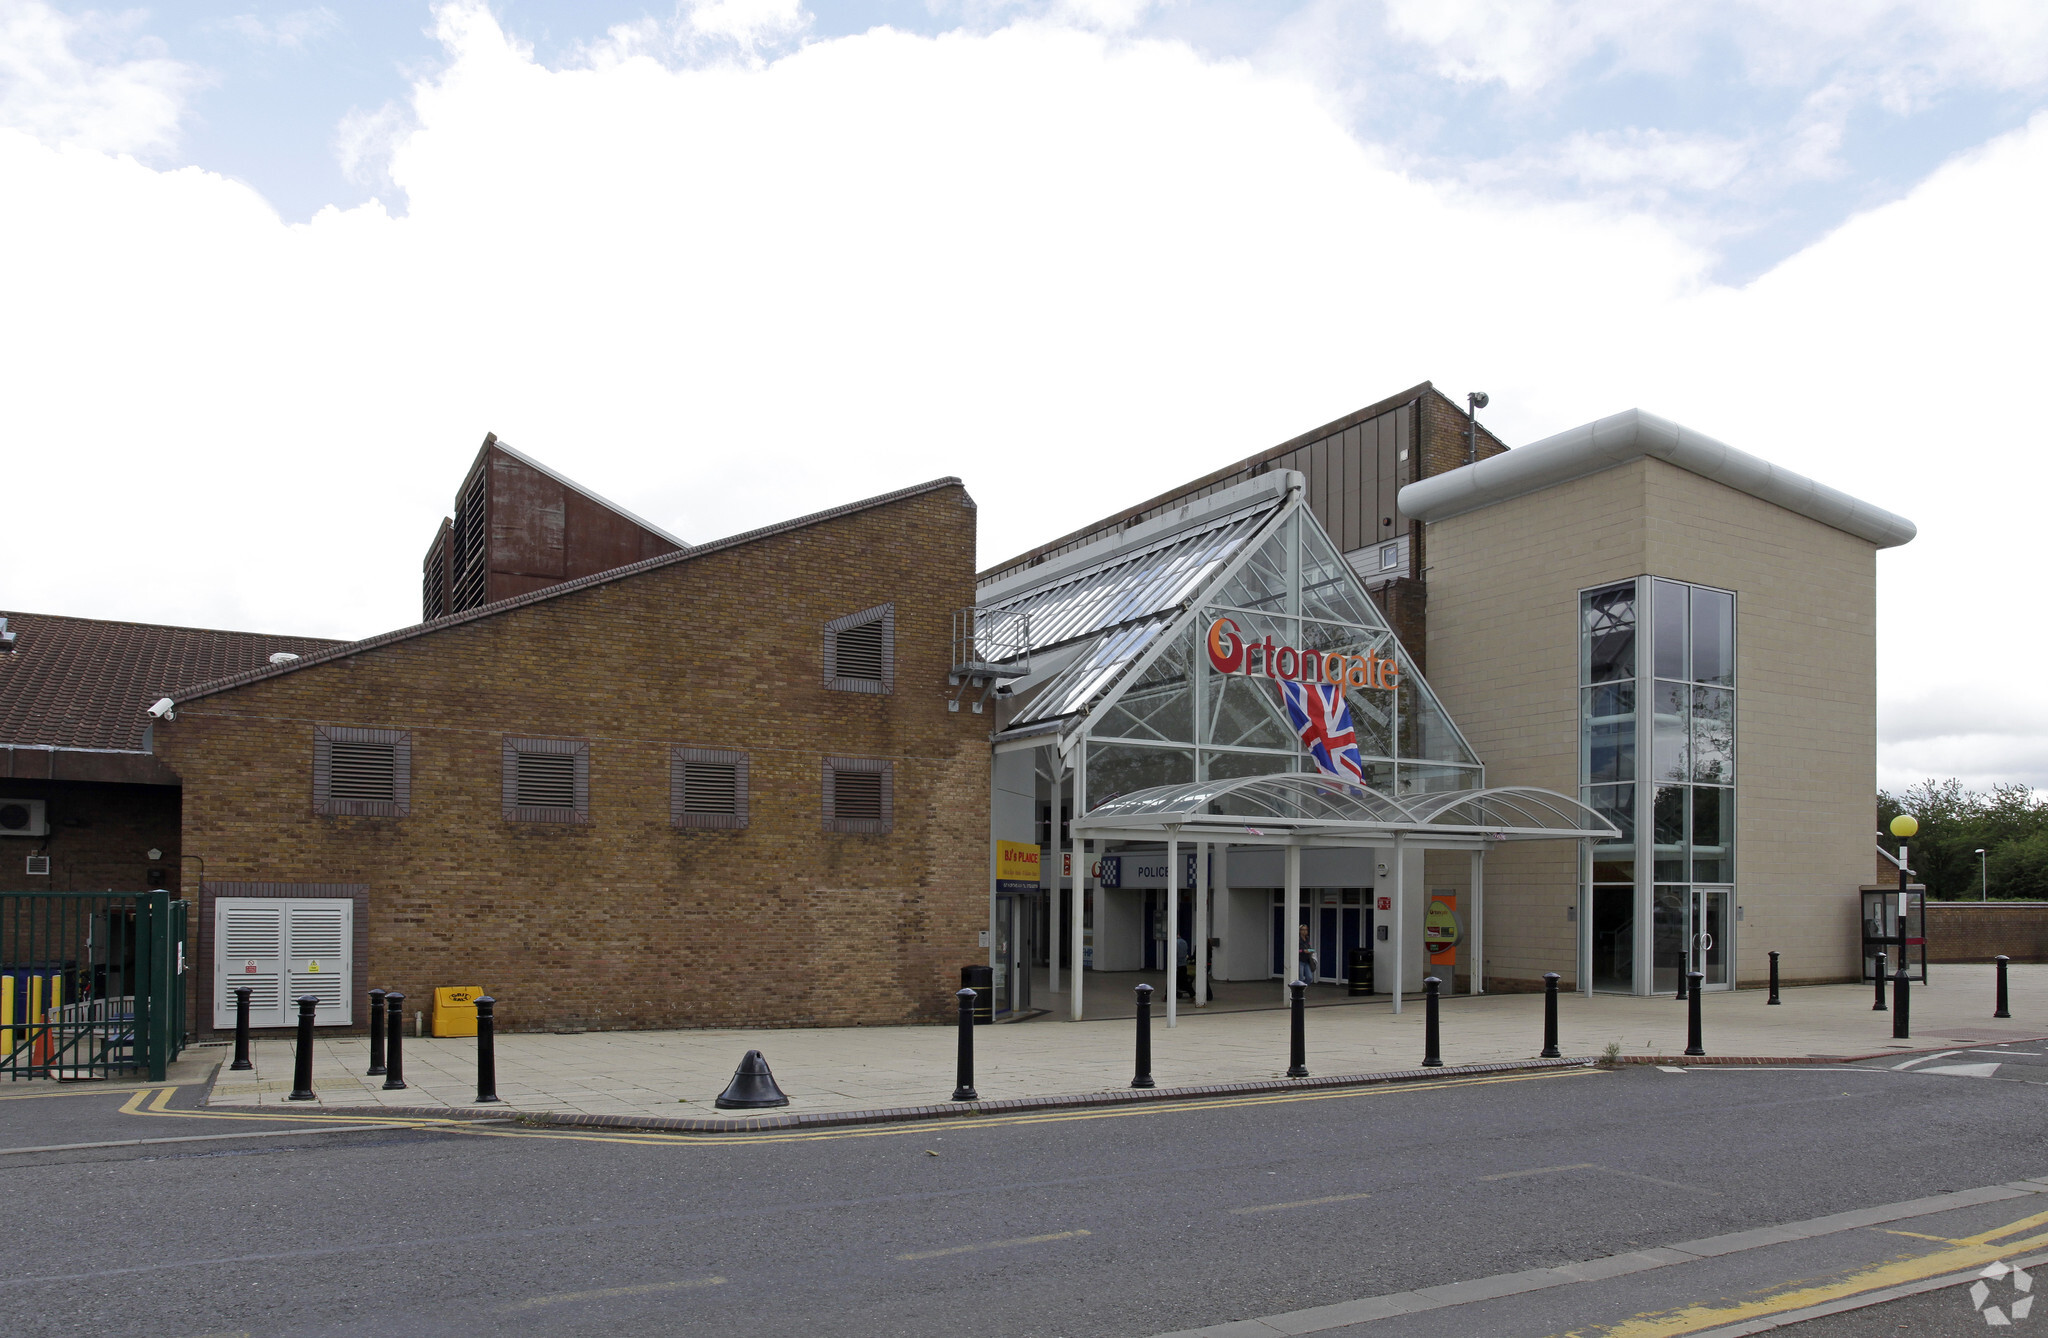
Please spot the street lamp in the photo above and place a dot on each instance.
(1904, 827)
(1984, 886)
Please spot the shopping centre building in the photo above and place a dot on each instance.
(1388, 692)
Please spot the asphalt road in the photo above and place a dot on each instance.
(1121, 1221)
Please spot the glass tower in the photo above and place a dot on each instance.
(1657, 759)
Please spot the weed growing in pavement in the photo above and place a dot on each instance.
(1611, 1056)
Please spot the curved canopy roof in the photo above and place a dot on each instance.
(1299, 808)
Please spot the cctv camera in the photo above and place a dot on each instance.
(1478, 398)
(164, 709)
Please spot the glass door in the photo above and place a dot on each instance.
(1709, 936)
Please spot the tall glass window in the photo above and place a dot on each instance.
(1657, 664)
(1607, 774)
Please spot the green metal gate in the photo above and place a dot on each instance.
(92, 984)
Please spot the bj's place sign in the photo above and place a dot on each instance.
(1230, 653)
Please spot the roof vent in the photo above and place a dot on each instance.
(6, 638)
(283, 657)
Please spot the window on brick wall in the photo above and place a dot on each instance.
(707, 788)
(860, 651)
(547, 780)
(361, 772)
(860, 795)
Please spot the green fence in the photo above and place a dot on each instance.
(92, 984)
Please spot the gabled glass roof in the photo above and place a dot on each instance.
(1125, 651)
(1314, 805)
(1123, 589)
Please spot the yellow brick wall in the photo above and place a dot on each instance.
(1503, 634)
(628, 921)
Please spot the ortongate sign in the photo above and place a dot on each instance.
(1230, 653)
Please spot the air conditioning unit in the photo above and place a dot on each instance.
(23, 817)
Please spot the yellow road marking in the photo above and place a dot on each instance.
(993, 1245)
(1967, 1252)
(135, 1105)
(1542, 1170)
(1921, 1235)
(1301, 1203)
(601, 1293)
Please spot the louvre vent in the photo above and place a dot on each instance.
(857, 796)
(253, 932)
(711, 787)
(858, 651)
(545, 780)
(363, 771)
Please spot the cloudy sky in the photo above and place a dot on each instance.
(268, 273)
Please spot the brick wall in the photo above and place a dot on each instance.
(627, 921)
(100, 837)
(1977, 931)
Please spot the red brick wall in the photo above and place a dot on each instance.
(627, 921)
(1977, 931)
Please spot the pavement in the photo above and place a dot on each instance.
(1647, 1200)
(672, 1074)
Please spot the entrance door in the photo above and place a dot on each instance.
(1708, 942)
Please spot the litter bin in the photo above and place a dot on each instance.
(1358, 971)
(982, 980)
(455, 1010)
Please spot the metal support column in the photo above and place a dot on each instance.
(1400, 918)
(1172, 928)
(1290, 925)
(1052, 905)
(1200, 942)
(1475, 950)
(1080, 897)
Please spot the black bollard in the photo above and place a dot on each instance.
(1901, 1005)
(1774, 980)
(302, 1062)
(242, 993)
(1297, 1033)
(1550, 1050)
(1692, 1016)
(486, 1052)
(376, 1033)
(394, 1048)
(2003, 1011)
(1143, 1077)
(963, 1086)
(1681, 986)
(1432, 1047)
(1878, 1007)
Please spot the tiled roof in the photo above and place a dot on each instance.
(198, 686)
(84, 683)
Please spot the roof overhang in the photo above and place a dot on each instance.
(1314, 810)
(1632, 435)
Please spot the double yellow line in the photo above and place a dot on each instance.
(1965, 1252)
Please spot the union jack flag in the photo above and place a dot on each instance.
(1322, 718)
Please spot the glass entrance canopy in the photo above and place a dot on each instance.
(1171, 656)
(1321, 810)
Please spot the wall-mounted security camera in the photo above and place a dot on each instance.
(165, 709)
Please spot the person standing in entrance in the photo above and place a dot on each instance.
(1306, 973)
(1183, 967)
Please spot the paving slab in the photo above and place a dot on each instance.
(677, 1074)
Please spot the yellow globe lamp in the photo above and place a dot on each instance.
(1905, 825)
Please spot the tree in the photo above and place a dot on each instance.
(2008, 822)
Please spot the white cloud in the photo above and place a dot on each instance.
(291, 32)
(52, 86)
(1068, 268)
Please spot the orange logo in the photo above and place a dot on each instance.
(1230, 653)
